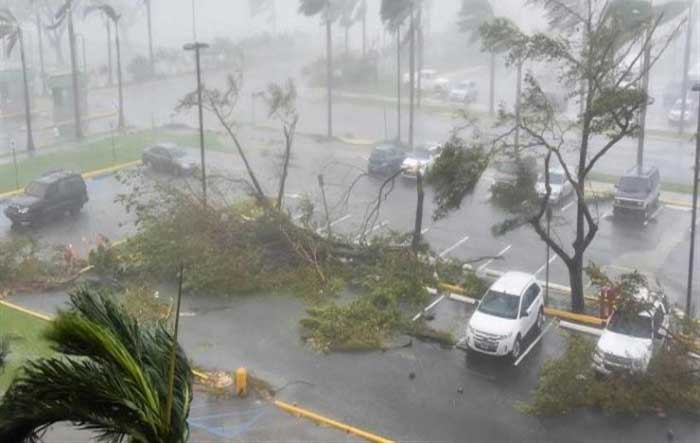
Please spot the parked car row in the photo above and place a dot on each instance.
(59, 192)
(513, 309)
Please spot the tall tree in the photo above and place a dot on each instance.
(613, 99)
(394, 13)
(348, 17)
(472, 15)
(40, 42)
(107, 376)
(65, 14)
(112, 16)
(11, 32)
(149, 22)
(329, 11)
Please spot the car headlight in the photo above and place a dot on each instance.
(23, 210)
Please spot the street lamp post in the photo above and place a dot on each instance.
(197, 47)
(549, 223)
(691, 258)
(82, 44)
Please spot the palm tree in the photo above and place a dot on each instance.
(40, 43)
(112, 16)
(11, 32)
(348, 16)
(108, 376)
(150, 35)
(393, 14)
(329, 10)
(473, 14)
(65, 12)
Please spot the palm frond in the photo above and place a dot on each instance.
(104, 8)
(472, 15)
(109, 377)
(395, 12)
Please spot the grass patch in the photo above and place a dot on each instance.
(95, 154)
(26, 341)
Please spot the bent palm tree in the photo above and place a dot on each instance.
(472, 15)
(108, 377)
(114, 17)
(11, 32)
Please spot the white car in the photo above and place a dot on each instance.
(509, 310)
(430, 81)
(674, 114)
(464, 92)
(629, 340)
(560, 186)
(421, 159)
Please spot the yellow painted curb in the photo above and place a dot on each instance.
(451, 288)
(581, 318)
(681, 203)
(357, 141)
(11, 193)
(110, 169)
(25, 311)
(332, 423)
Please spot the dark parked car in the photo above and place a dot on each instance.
(637, 192)
(169, 158)
(386, 159)
(51, 195)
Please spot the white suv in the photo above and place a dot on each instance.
(508, 311)
(630, 339)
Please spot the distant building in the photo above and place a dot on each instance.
(62, 99)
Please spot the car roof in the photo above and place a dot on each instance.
(165, 145)
(513, 282)
(646, 171)
(53, 176)
(386, 147)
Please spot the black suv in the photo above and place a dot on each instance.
(386, 159)
(637, 192)
(48, 196)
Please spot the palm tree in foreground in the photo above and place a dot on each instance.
(11, 32)
(108, 377)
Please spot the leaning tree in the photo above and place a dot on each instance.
(601, 66)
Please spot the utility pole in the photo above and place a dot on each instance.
(643, 110)
(412, 78)
(398, 83)
(686, 66)
(39, 32)
(197, 47)
(693, 218)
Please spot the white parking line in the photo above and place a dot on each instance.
(489, 261)
(341, 219)
(567, 206)
(534, 342)
(453, 247)
(424, 230)
(554, 257)
(429, 307)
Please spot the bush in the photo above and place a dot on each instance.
(671, 384)
(23, 264)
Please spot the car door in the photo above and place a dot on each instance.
(527, 321)
(395, 161)
(52, 201)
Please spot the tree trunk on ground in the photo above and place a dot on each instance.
(418, 227)
(74, 75)
(42, 64)
(398, 84)
(150, 36)
(329, 76)
(492, 84)
(27, 105)
(121, 123)
(412, 79)
(110, 67)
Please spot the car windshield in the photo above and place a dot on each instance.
(500, 304)
(36, 189)
(632, 325)
(633, 184)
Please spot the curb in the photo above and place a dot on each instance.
(305, 413)
(580, 318)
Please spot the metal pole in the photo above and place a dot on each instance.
(643, 111)
(173, 353)
(549, 222)
(686, 66)
(252, 108)
(14, 160)
(114, 150)
(694, 214)
(201, 124)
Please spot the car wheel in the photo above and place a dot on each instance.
(515, 353)
(540, 320)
